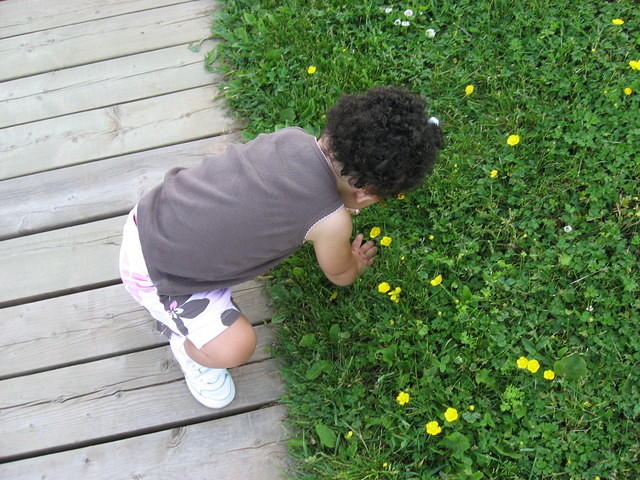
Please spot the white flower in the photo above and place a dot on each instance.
(568, 228)
(397, 22)
(405, 23)
(431, 33)
(388, 10)
(408, 13)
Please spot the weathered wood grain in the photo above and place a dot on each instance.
(115, 397)
(25, 16)
(112, 37)
(61, 260)
(104, 83)
(248, 446)
(75, 381)
(67, 196)
(116, 130)
(91, 325)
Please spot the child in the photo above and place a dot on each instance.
(238, 214)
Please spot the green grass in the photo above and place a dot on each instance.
(540, 261)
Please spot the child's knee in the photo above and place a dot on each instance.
(231, 348)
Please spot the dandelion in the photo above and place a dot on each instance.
(403, 398)
(472, 408)
(513, 140)
(533, 366)
(634, 64)
(312, 69)
(628, 91)
(469, 89)
(395, 295)
(617, 21)
(400, 196)
(348, 435)
(333, 296)
(408, 13)
(385, 465)
(433, 428)
(493, 174)
(549, 374)
(431, 33)
(568, 229)
(431, 237)
(384, 287)
(386, 241)
(451, 415)
(374, 232)
(437, 280)
(522, 362)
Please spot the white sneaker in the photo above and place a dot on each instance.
(212, 387)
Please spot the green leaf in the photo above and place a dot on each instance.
(316, 369)
(334, 333)
(572, 367)
(308, 340)
(326, 435)
(457, 443)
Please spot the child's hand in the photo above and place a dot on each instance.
(365, 253)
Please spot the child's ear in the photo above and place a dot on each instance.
(366, 198)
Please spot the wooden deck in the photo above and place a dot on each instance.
(98, 99)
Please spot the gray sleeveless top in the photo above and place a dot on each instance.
(235, 215)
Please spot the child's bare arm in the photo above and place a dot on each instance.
(341, 260)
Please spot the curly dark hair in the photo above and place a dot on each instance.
(382, 140)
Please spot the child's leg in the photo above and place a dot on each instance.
(231, 348)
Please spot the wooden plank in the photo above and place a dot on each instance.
(98, 40)
(248, 446)
(119, 80)
(67, 196)
(25, 16)
(115, 130)
(61, 260)
(91, 325)
(115, 398)
(77, 380)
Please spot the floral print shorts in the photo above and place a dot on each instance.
(200, 317)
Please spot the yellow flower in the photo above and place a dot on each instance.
(533, 366)
(493, 173)
(386, 241)
(375, 231)
(348, 435)
(628, 91)
(385, 465)
(437, 280)
(513, 140)
(433, 428)
(617, 21)
(403, 398)
(400, 196)
(431, 237)
(384, 287)
(451, 414)
(469, 89)
(635, 64)
(522, 362)
(472, 408)
(395, 295)
(312, 69)
(333, 296)
(549, 374)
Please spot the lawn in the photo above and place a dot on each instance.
(512, 349)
